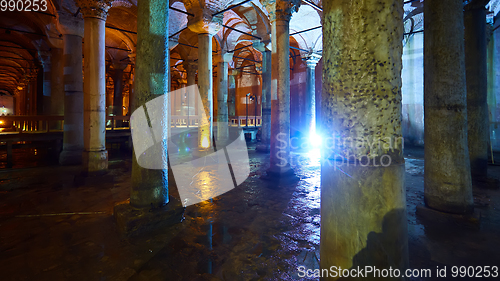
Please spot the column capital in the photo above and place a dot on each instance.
(94, 8)
(44, 58)
(132, 56)
(233, 72)
(312, 60)
(119, 65)
(204, 22)
(69, 24)
(262, 46)
(281, 10)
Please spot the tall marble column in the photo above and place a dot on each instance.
(72, 29)
(477, 89)
(117, 107)
(363, 204)
(310, 110)
(280, 92)
(447, 178)
(95, 155)
(265, 140)
(222, 92)
(206, 27)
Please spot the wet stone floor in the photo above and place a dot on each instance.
(55, 226)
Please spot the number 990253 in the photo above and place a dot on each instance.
(23, 5)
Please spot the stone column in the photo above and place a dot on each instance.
(447, 178)
(148, 208)
(265, 141)
(72, 29)
(231, 107)
(206, 27)
(205, 84)
(477, 88)
(117, 107)
(95, 155)
(310, 110)
(222, 91)
(363, 204)
(47, 77)
(150, 186)
(56, 82)
(190, 65)
(280, 104)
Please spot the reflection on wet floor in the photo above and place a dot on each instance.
(258, 231)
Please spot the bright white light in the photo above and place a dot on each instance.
(315, 140)
(314, 154)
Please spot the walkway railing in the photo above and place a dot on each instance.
(50, 123)
(32, 123)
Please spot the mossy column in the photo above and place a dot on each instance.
(95, 155)
(150, 186)
(447, 177)
(280, 89)
(72, 29)
(363, 206)
(477, 88)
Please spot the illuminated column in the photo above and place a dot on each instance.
(477, 89)
(280, 89)
(222, 91)
(231, 99)
(363, 204)
(447, 177)
(310, 112)
(265, 142)
(117, 107)
(206, 29)
(72, 29)
(95, 155)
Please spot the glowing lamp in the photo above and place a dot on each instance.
(205, 143)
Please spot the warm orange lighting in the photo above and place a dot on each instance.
(19, 88)
(1, 122)
(205, 143)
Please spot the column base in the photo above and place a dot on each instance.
(472, 220)
(70, 157)
(280, 174)
(95, 162)
(440, 203)
(132, 221)
(263, 148)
